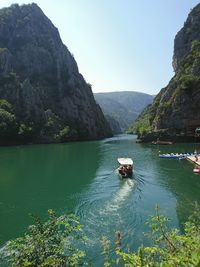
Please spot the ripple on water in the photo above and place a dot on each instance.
(103, 214)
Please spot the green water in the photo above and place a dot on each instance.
(81, 177)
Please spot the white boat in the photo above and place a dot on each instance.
(126, 167)
(125, 161)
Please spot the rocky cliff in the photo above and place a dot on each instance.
(43, 97)
(175, 113)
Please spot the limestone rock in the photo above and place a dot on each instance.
(38, 73)
(174, 113)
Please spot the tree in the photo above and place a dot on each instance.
(47, 244)
(170, 248)
(8, 126)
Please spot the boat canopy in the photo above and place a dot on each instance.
(125, 161)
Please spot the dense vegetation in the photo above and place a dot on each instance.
(47, 244)
(14, 129)
(142, 124)
(54, 243)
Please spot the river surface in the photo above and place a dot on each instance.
(81, 177)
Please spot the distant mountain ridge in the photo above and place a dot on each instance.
(43, 97)
(123, 106)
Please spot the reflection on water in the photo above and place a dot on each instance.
(82, 177)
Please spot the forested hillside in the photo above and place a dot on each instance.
(124, 107)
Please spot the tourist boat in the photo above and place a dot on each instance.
(162, 142)
(174, 156)
(125, 168)
(196, 169)
(177, 155)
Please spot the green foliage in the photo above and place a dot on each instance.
(106, 245)
(189, 82)
(47, 244)
(190, 60)
(142, 124)
(63, 134)
(195, 11)
(195, 46)
(7, 122)
(8, 126)
(5, 105)
(54, 243)
(25, 131)
(52, 124)
(170, 248)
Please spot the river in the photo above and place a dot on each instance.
(81, 177)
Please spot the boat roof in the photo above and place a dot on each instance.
(125, 161)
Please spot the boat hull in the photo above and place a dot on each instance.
(196, 170)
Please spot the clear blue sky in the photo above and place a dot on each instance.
(119, 44)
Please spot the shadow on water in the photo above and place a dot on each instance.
(38, 177)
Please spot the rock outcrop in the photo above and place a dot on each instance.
(40, 80)
(174, 113)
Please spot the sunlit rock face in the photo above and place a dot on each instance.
(39, 77)
(175, 111)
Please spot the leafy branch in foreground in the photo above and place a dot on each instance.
(54, 244)
(170, 248)
(47, 244)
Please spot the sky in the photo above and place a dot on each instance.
(119, 45)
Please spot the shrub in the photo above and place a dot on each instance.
(8, 125)
(170, 248)
(47, 244)
(63, 134)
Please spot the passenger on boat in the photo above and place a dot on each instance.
(129, 168)
(121, 169)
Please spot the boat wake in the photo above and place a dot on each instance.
(97, 216)
(120, 196)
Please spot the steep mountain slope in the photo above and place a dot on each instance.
(123, 107)
(43, 96)
(174, 113)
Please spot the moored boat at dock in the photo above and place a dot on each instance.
(158, 142)
(177, 155)
(173, 156)
(196, 169)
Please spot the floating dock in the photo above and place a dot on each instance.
(193, 159)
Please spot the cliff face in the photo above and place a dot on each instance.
(40, 81)
(185, 37)
(175, 113)
(114, 124)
